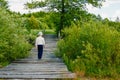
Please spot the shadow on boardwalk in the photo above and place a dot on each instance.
(48, 68)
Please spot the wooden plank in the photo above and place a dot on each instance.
(32, 73)
(49, 67)
(38, 76)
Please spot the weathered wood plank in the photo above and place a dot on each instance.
(37, 76)
(49, 67)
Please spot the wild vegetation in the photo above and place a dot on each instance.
(92, 49)
(18, 32)
(13, 42)
(89, 45)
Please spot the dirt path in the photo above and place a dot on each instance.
(49, 67)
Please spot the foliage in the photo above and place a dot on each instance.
(115, 25)
(13, 43)
(92, 48)
(70, 10)
(72, 4)
(35, 4)
(31, 23)
(49, 20)
(3, 4)
(34, 23)
(39, 21)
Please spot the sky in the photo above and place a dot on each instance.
(110, 8)
(18, 6)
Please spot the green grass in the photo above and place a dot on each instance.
(50, 31)
(47, 31)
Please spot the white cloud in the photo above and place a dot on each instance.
(107, 3)
(18, 6)
(104, 15)
(106, 11)
(110, 9)
(117, 14)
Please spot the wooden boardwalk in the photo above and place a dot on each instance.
(48, 68)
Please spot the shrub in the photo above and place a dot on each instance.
(93, 49)
(13, 43)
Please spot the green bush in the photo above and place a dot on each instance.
(13, 43)
(93, 49)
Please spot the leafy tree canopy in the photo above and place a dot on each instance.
(3, 4)
(69, 10)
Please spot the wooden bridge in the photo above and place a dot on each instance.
(48, 68)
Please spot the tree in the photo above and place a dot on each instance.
(70, 10)
(3, 4)
(32, 23)
(35, 4)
